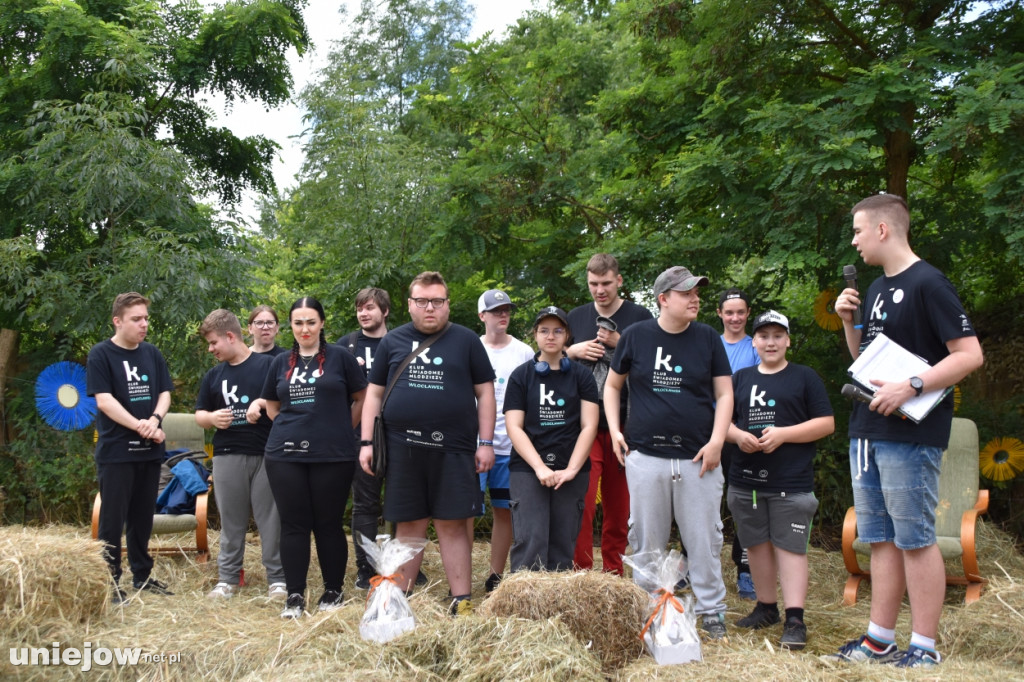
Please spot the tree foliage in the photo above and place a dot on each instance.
(106, 149)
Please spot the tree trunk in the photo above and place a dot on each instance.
(8, 354)
(899, 152)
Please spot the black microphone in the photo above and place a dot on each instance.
(850, 275)
(856, 393)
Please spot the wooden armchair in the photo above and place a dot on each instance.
(182, 432)
(960, 503)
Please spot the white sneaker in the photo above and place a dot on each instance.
(277, 591)
(222, 591)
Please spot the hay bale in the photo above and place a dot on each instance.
(600, 609)
(472, 649)
(46, 575)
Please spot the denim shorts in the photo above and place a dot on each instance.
(895, 491)
(497, 480)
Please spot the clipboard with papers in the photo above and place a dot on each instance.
(887, 360)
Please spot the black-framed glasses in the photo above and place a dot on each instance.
(435, 302)
(264, 324)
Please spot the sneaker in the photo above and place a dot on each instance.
(363, 577)
(761, 617)
(794, 635)
(152, 585)
(714, 625)
(118, 596)
(916, 657)
(461, 607)
(421, 578)
(277, 592)
(492, 582)
(745, 586)
(330, 600)
(683, 583)
(294, 607)
(860, 651)
(221, 591)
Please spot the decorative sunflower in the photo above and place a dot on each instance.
(825, 311)
(61, 398)
(1002, 459)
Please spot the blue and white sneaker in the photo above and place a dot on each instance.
(861, 651)
(916, 657)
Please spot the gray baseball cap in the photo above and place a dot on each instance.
(491, 299)
(677, 278)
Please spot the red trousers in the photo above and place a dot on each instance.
(604, 467)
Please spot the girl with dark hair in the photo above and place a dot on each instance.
(551, 415)
(314, 394)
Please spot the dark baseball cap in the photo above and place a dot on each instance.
(552, 311)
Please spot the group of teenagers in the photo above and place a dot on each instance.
(658, 412)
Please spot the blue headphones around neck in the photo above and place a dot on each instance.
(543, 369)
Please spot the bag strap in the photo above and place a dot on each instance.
(408, 360)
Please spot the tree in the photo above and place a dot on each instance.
(369, 187)
(104, 148)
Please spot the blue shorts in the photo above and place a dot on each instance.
(895, 491)
(497, 481)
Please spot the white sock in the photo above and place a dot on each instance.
(922, 642)
(884, 635)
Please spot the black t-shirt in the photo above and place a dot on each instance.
(236, 386)
(274, 351)
(361, 346)
(786, 398)
(672, 413)
(315, 422)
(135, 378)
(433, 403)
(583, 327)
(552, 407)
(920, 310)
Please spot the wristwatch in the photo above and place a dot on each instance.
(917, 385)
(365, 442)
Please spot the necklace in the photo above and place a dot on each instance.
(306, 360)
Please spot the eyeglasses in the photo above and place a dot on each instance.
(544, 331)
(435, 302)
(264, 324)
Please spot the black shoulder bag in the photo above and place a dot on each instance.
(379, 462)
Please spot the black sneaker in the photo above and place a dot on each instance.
(294, 607)
(152, 585)
(421, 578)
(363, 577)
(761, 617)
(492, 582)
(794, 635)
(118, 596)
(330, 600)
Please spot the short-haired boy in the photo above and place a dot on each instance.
(781, 409)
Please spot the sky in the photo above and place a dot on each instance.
(284, 124)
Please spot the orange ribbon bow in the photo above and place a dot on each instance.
(667, 598)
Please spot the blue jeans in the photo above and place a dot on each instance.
(895, 491)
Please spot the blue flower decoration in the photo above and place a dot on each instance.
(61, 398)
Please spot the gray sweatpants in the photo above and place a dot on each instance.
(661, 489)
(240, 484)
